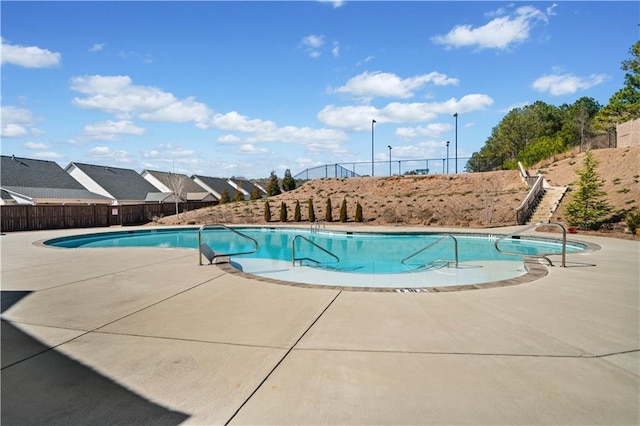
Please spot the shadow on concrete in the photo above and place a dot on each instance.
(43, 386)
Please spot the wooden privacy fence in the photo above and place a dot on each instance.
(51, 216)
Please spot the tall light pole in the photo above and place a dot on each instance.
(372, 145)
(389, 146)
(447, 157)
(456, 117)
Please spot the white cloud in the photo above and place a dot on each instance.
(268, 131)
(562, 84)
(47, 155)
(433, 130)
(513, 106)
(103, 152)
(383, 84)
(119, 96)
(248, 148)
(358, 118)
(111, 130)
(17, 122)
(312, 44)
(335, 3)
(28, 56)
(35, 145)
(336, 49)
(97, 47)
(499, 33)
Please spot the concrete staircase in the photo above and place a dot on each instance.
(547, 205)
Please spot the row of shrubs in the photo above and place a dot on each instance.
(328, 213)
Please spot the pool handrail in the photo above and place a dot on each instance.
(315, 226)
(216, 255)
(540, 255)
(438, 241)
(293, 251)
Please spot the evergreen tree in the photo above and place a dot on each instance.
(288, 182)
(267, 211)
(587, 210)
(312, 212)
(224, 197)
(283, 212)
(328, 213)
(238, 197)
(343, 211)
(297, 216)
(273, 188)
(255, 193)
(358, 217)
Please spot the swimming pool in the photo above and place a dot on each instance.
(347, 259)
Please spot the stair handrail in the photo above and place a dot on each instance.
(220, 225)
(293, 251)
(531, 200)
(540, 255)
(438, 241)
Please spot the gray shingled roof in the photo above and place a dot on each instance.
(41, 179)
(122, 184)
(217, 184)
(165, 178)
(245, 184)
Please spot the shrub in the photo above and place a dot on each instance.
(288, 182)
(224, 197)
(273, 188)
(238, 197)
(255, 193)
(328, 213)
(343, 211)
(358, 217)
(312, 212)
(587, 210)
(296, 213)
(283, 212)
(633, 221)
(267, 211)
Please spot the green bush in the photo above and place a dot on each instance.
(283, 212)
(297, 216)
(238, 197)
(328, 213)
(255, 193)
(358, 217)
(312, 212)
(633, 221)
(343, 211)
(267, 211)
(224, 197)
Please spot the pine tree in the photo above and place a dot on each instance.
(343, 210)
(238, 197)
(283, 212)
(224, 197)
(328, 213)
(312, 212)
(297, 216)
(255, 193)
(587, 210)
(273, 188)
(358, 217)
(267, 212)
(288, 182)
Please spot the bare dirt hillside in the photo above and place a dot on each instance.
(468, 199)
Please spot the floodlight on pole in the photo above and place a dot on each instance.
(456, 117)
(447, 157)
(389, 146)
(372, 145)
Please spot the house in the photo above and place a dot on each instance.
(170, 183)
(246, 187)
(122, 186)
(216, 186)
(29, 181)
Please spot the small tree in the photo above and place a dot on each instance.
(283, 212)
(358, 217)
(312, 212)
(224, 197)
(288, 182)
(238, 197)
(587, 210)
(255, 193)
(177, 185)
(328, 213)
(343, 211)
(273, 188)
(297, 216)
(267, 211)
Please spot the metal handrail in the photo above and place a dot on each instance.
(525, 209)
(293, 251)
(438, 241)
(220, 225)
(315, 226)
(541, 255)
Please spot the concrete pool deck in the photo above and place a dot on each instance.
(146, 336)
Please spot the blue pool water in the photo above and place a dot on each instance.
(358, 253)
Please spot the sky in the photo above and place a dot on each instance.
(222, 88)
